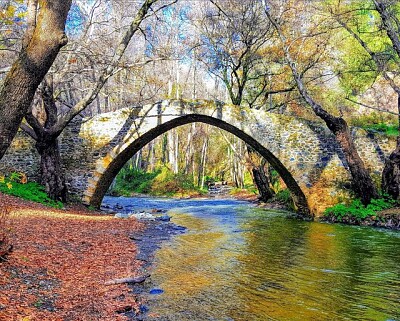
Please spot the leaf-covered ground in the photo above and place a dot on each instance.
(60, 262)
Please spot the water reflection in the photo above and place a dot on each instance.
(237, 262)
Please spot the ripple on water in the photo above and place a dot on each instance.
(237, 262)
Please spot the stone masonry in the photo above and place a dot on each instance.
(304, 153)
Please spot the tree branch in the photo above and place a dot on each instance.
(107, 72)
(381, 7)
(27, 129)
(370, 107)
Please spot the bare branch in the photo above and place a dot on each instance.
(107, 72)
(29, 130)
(370, 107)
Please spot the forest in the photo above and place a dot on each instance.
(334, 63)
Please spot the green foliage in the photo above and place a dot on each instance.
(387, 129)
(378, 122)
(133, 180)
(16, 185)
(161, 182)
(358, 211)
(284, 197)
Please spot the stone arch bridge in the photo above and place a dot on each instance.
(304, 153)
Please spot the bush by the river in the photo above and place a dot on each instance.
(359, 214)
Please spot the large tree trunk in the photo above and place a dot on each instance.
(391, 174)
(43, 40)
(362, 183)
(52, 176)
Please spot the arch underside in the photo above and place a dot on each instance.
(118, 162)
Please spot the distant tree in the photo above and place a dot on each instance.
(42, 41)
(233, 35)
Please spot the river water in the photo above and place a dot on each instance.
(239, 262)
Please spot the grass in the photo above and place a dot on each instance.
(284, 196)
(17, 185)
(387, 129)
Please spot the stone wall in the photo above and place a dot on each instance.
(308, 150)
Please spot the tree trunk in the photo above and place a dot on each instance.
(46, 37)
(260, 178)
(391, 171)
(52, 176)
(262, 183)
(362, 183)
(391, 174)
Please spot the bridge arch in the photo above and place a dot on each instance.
(94, 195)
(304, 152)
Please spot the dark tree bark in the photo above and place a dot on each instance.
(43, 40)
(362, 183)
(262, 182)
(51, 173)
(391, 171)
(259, 176)
(391, 174)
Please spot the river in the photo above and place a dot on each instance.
(239, 262)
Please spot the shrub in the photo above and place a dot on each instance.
(389, 130)
(159, 182)
(16, 185)
(133, 180)
(357, 210)
(284, 197)
(168, 183)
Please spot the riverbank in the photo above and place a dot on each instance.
(389, 219)
(62, 260)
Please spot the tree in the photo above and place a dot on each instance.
(388, 11)
(363, 185)
(42, 41)
(232, 36)
(46, 132)
(379, 38)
